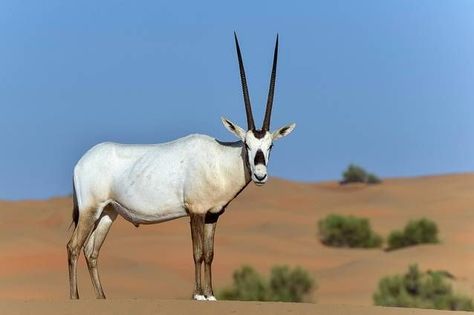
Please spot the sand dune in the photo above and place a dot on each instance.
(165, 307)
(275, 224)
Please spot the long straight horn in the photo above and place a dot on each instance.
(271, 90)
(245, 91)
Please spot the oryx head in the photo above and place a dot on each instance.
(257, 142)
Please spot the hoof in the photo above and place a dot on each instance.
(199, 297)
(211, 298)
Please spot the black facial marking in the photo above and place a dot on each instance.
(259, 134)
(245, 155)
(259, 158)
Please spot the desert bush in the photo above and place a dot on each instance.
(288, 285)
(422, 231)
(356, 174)
(420, 290)
(373, 179)
(347, 231)
(248, 286)
(284, 284)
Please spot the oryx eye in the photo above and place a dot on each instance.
(247, 146)
(271, 146)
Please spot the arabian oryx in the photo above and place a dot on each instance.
(195, 176)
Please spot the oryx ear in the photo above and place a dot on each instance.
(283, 131)
(236, 130)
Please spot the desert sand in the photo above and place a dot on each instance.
(263, 227)
(165, 307)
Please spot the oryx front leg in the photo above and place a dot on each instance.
(197, 234)
(93, 245)
(209, 231)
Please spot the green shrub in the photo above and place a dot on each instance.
(284, 284)
(248, 286)
(356, 174)
(347, 231)
(373, 179)
(422, 231)
(420, 290)
(288, 285)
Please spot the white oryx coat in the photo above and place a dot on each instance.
(160, 182)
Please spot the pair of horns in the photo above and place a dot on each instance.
(271, 90)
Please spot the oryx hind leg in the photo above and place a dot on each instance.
(93, 245)
(85, 224)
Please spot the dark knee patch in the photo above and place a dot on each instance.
(212, 217)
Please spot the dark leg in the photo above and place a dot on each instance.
(209, 231)
(197, 234)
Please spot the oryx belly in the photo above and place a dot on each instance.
(150, 190)
(148, 217)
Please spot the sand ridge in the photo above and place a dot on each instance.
(263, 227)
(165, 307)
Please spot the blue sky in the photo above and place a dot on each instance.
(388, 85)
